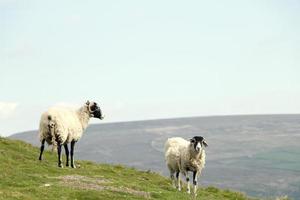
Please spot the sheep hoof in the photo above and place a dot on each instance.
(189, 192)
(73, 166)
(60, 165)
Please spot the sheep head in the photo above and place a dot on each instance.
(198, 142)
(94, 110)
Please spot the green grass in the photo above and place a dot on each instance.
(23, 176)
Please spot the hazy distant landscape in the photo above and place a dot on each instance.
(259, 155)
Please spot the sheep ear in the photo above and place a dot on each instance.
(205, 144)
(192, 140)
(87, 102)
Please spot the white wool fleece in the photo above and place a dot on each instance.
(67, 124)
(180, 155)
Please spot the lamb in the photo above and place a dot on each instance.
(184, 156)
(60, 126)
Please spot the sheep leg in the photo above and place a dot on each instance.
(178, 180)
(173, 179)
(72, 154)
(186, 175)
(67, 154)
(187, 178)
(195, 173)
(42, 149)
(59, 155)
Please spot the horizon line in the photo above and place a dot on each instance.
(172, 118)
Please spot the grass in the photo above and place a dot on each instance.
(23, 176)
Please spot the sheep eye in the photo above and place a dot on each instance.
(93, 107)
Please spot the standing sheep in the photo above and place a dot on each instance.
(184, 156)
(60, 126)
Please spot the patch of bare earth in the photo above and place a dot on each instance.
(97, 183)
(83, 182)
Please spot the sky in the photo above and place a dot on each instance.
(148, 59)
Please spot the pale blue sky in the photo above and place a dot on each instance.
(148, 59)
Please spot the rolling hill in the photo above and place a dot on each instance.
(24, 177)
(257, 154)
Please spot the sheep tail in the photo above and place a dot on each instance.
(51, 129)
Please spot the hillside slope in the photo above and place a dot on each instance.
(24, 177)
(237, 145)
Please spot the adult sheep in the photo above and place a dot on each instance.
(184, 156)
(60, 126)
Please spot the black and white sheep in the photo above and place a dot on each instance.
(60, 126)
(185, 156)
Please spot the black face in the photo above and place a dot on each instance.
(96, 111)
(198, 142)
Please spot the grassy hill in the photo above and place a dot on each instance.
(23, 176)
(260, 158)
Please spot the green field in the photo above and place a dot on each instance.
(24, 177)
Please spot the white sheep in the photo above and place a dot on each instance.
(60, 126)
(184, 156)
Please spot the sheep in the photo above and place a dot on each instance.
(183, 156)
(60, 126)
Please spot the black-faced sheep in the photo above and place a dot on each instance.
(60, 126)
(184, 156)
